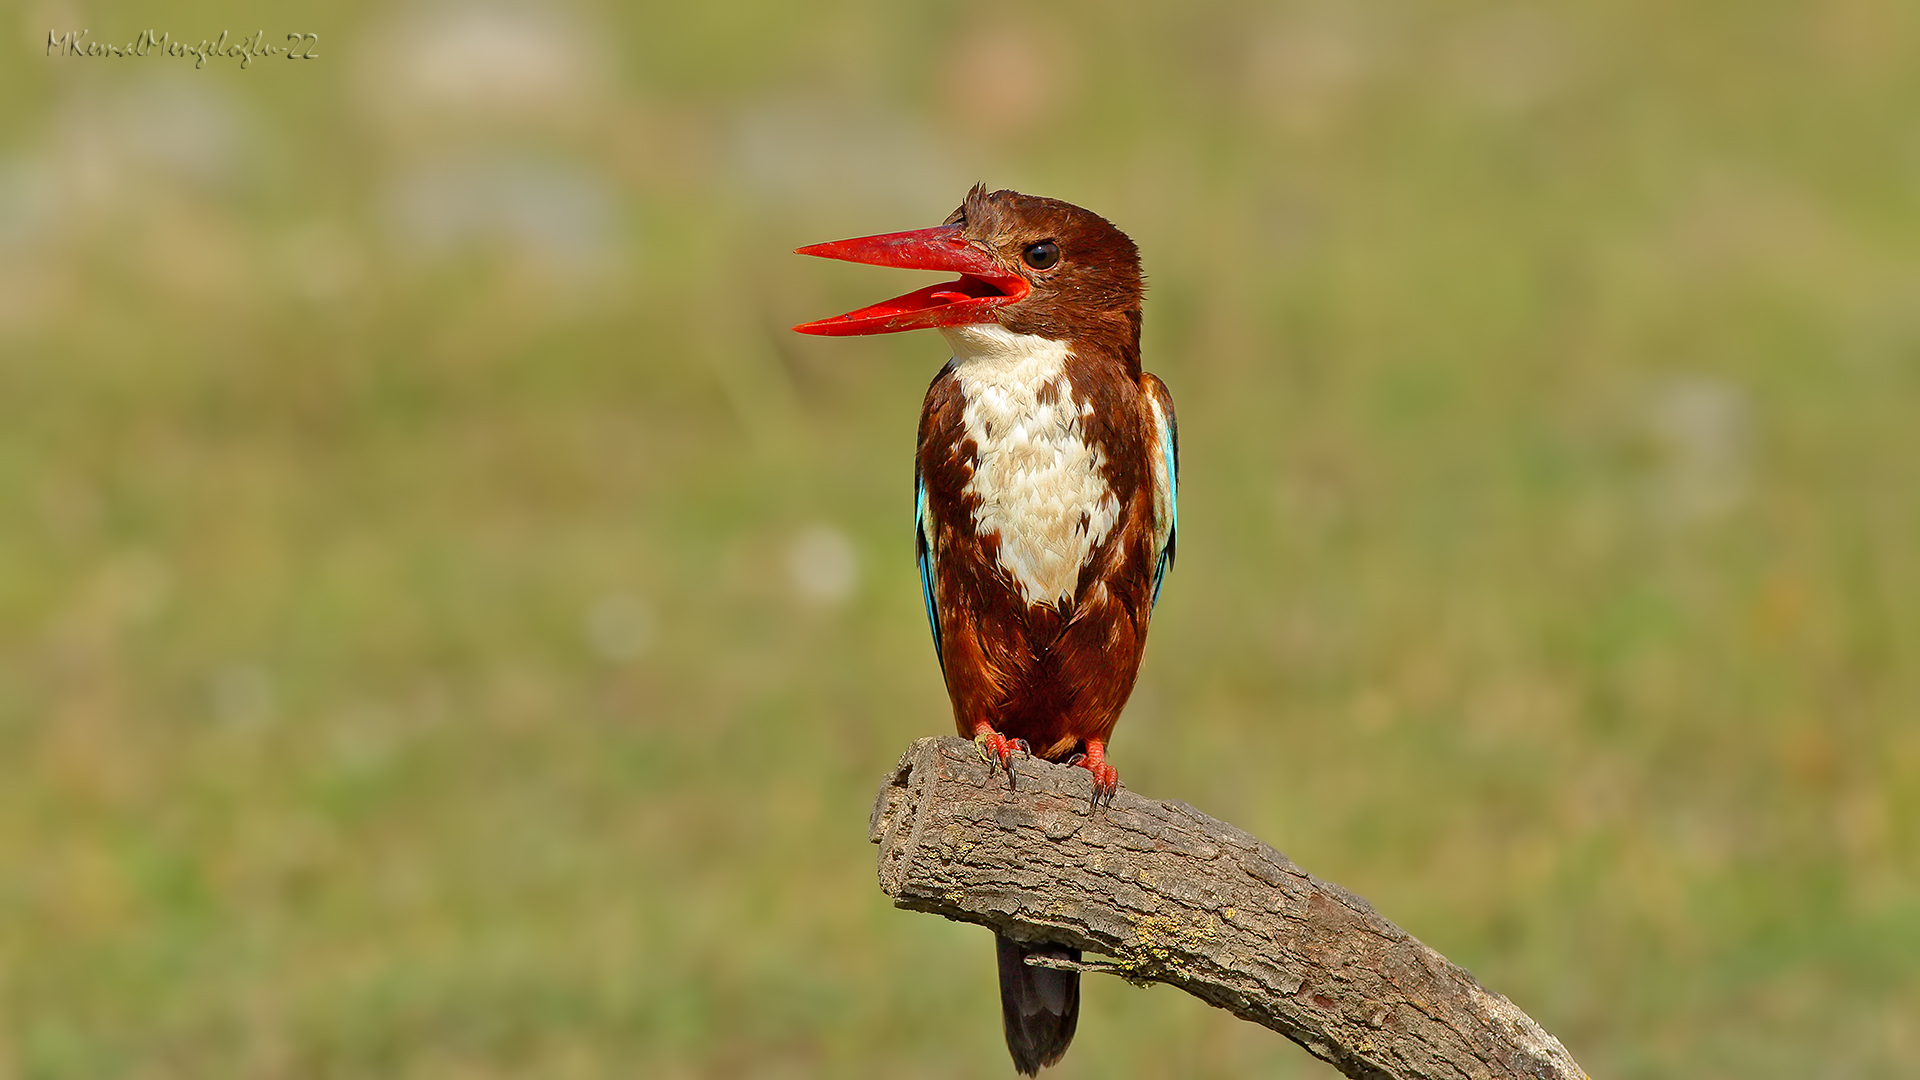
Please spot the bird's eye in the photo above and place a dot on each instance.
(1041, 256)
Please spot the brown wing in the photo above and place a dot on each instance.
(1165, 444)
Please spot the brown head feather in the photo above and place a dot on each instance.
(1091, 296)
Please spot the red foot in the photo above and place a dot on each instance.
(1106, 778)
(997, 748)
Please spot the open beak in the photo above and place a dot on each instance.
(982, 287)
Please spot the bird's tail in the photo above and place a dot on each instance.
(1040, 1005)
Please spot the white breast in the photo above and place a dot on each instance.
(1040, 484)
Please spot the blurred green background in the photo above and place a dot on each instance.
(449, 627)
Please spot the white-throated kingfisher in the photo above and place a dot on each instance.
(1045, 497)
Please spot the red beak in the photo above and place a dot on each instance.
(983, 284)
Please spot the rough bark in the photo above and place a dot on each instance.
(1175, 896)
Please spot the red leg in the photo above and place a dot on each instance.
(995, 747)
(1106, 778)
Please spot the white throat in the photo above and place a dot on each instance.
(1041, 486)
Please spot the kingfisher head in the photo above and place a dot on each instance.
(1028, 264)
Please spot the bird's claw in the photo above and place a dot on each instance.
(997, 749)
(1106, 778)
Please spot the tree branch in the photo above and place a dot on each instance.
(1175, 896)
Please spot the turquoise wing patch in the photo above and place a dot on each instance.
(923, 555)
(1170, 454)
